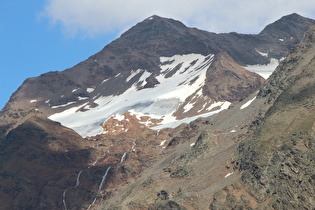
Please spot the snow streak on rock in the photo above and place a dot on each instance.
(247, 103)
(229, 174)
(133, 146)
(123, 157)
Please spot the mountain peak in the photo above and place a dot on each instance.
(288, 27)
(154, 26)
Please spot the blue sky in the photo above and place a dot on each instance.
(30, 45)
(37, 36)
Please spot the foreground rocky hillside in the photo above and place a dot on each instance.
(277, 160)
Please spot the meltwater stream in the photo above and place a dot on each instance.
(78, 179)
(103, 179)
(64, 199)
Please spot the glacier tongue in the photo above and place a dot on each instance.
(181, 76)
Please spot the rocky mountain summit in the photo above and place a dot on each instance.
(108, 133)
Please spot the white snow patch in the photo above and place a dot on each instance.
(188, 107)
(172, 122)
(74, 90)
(47, 101)
(229, 174)
(105, 80)
(199, 93)
(264, 70)
(203, 107)
(192, 144)
(133, 146)
(233, 131)
(281, 40)
(33, 101)
(133, 74)
(119, 117)
(90, 90)
(247, 103)
(63, 105)
(163, 142)
(143, 77)
(137, 114)
(262, 53)
(123, 157)
(179, 84)
(82, 98)
(223, 105)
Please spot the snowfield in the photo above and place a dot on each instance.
(264, 70)
(181, 76)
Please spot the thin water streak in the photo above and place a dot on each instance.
(78, 179)
(104, 178)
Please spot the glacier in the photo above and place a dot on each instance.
(180, 77)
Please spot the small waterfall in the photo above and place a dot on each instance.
(123, 157)
(64, 199)
(92, 203)
(78, 179)
(103, 179)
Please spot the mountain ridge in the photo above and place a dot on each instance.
(137, 49)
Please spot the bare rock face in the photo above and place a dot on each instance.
(226, 80)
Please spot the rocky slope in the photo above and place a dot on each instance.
(256, 155)
(46, 165)
(276, 161)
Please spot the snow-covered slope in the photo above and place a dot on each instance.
(181, 76)
(264, 70)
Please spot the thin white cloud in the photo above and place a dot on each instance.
(90, 17)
